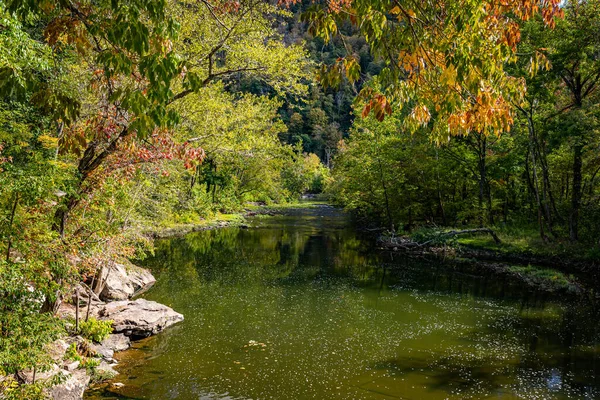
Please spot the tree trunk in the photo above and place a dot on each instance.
(576, 192)
(439, 191)
(385, 195)
(484, 192)
(533, 188)
(91, 160)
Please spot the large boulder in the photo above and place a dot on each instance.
(121, 282)
(139, 318)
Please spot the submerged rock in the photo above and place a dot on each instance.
(122, 282)
(139, 318)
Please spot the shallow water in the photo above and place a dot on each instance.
(300, 307)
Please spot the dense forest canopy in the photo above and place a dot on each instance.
(120, 116)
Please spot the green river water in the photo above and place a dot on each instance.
(300, 307)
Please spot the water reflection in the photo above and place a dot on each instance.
(301, 307)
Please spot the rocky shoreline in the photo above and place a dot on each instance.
(131, 320)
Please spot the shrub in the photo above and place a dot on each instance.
(95, 330)
(90, 363)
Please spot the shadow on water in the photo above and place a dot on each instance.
(302, 307)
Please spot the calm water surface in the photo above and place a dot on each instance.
(299, 307)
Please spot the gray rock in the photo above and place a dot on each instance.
(103, 351)
(110, 345)
(27, 376)
(107, 370)
(139, 318)
(72, 366)
(57, 349)
(122, 282)
(72, 388)
(117, 342)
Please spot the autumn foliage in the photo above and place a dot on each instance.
(445, 60)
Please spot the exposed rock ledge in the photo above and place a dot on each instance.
(136, 318)
(121, 282)
(132, 319)
(75, 379)
(139, 318)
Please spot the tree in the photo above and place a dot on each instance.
(137, 70)
(562, 78)
(575, 59)
(444, 61)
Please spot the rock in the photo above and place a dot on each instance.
(72, 388)
(27, 376)
(118, 384)
(107, 370)
(83, 346)
(102, 351)
(57, 350)
(117, 342)
(67, 311)
(72, 366)
(110, 345)
(122, 282)
(139, 318)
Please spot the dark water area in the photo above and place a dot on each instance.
(300, 306)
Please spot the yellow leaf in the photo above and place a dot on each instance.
(48, 142)
(449, 75)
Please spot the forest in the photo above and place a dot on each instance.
(121, 118)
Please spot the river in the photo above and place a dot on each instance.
(300, 306)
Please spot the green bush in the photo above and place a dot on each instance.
(90, 363)
(95, 330)
(10, 389)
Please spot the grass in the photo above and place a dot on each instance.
(218, 219)
(527, 245)
(544, 276)
(214, 221)
(528, 242)
(286, 206)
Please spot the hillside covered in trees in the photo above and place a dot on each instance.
(119, 118)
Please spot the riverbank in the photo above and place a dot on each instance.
(567, 267)
(563, 267)
(99, 320)
(129, 319)
(223, 220)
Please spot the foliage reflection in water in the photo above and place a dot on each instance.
(301, 308)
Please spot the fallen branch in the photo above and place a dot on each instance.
(407, 243)
(477, 230)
